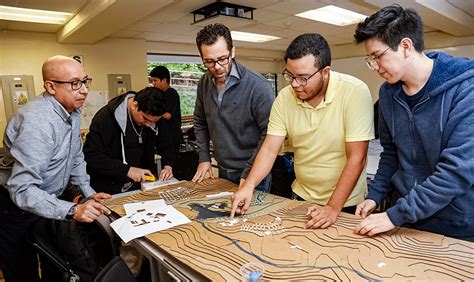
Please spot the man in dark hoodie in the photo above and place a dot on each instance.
(119, 148)
(425, 127)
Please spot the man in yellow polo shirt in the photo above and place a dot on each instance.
(328, 120)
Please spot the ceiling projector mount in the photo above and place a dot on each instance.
(222, 9)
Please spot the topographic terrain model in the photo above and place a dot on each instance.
(272, 234)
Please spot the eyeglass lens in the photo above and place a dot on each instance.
(300, 80)
(77, 84)
(221, 62)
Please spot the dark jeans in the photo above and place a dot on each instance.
(351, 209)
(235, 175)
(17, 257)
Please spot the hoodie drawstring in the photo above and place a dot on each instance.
(124, 161)
(441, 119)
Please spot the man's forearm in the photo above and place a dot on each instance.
(261, 167)
(265, 158)
(346, 183)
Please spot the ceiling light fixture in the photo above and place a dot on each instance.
(333, 15)
(252, 37)
(32, 15)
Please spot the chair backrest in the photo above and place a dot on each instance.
(40, 238)
(53, 240)
(115, 270)
(103, 221)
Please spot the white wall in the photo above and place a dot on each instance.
(23, 53)
(356, 67)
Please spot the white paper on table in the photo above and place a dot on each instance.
(155, 184)
(219, 195)
(142, 206)
(146, 222)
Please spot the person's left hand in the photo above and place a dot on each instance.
(365, 208)
(321, 217)
(166, 173)
(374, 224)
(100, 197)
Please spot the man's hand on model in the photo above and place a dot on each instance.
(202, 170)
(166, 173)
(138, 174)
(101, 197)
(242, 198)
(321, 216)
(374, 224)
(365, 208)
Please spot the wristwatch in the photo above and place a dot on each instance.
(71, 212)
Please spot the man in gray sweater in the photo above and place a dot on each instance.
(42, 141)
(232, 109)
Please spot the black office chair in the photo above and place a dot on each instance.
(115, 270)
(58, 267)
(51, 260)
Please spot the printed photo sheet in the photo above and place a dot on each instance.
(145, 222)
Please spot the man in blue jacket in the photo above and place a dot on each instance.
(426, 129)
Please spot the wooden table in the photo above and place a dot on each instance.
(271, 233)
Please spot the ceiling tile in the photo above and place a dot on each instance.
(155, 36)
(126, 34)
(172, 22)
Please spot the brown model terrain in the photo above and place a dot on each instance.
(272, 234)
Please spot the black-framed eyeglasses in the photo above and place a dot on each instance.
(373, 61)
(76, 84)
(222, 61)
(301, 80)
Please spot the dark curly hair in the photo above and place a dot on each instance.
(390, 25)
(310, 43)
(151, 101)
(210, 33)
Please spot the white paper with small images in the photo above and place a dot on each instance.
(147, 222)
(142, 206)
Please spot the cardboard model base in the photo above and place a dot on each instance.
(272, 234)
